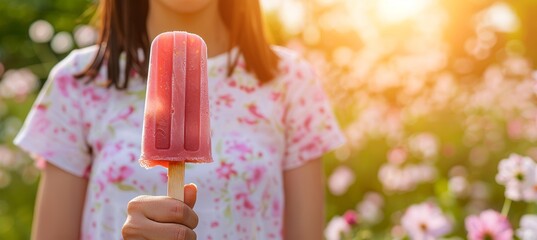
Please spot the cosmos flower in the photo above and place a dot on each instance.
(517, 174)
(488, 225)
(425, 221)
(336, 228)
(528, 227)
(351, 217)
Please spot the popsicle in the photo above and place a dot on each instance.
(176, 128)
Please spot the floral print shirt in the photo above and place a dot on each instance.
(258, 132)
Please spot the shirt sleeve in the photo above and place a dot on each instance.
(310, 125)
(53, 130)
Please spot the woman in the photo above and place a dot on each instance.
(270, 123)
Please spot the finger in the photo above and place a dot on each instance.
(164, 209)
(191, 192)
(171, 231)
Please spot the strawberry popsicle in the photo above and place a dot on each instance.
(176, 120)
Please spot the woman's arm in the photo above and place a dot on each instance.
(304, 202)
(59, 205)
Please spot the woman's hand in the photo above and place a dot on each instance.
(161, 217)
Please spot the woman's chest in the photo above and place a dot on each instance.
(248, 142)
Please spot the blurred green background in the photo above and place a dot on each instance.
(431, 95)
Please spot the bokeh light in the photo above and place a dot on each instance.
(85, 35)
(270, 5)
(41, 31)
(501, 17)
(62, 42)
(395, 10)
(292, 14)
(18, 83)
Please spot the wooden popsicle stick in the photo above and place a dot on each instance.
(176, 180)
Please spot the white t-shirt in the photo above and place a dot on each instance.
(258, 132)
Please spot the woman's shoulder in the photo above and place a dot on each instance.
(287, 55)
(292, 65)
(76, 61)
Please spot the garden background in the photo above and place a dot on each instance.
(431, 94)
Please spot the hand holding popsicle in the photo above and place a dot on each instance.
(176, 120)
(159, 217)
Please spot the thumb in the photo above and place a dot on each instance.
(191, 192)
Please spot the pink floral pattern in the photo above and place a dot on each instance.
(258, 132)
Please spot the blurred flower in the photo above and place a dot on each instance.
(370, 208)
(458, 171)
(62, 42)
(488, 225)
(459, 186)
(517, 173)
(424, 144)
(425, 221)
(336, 228)
(395, 178)
(18, 83)
(351, 217)
(529, 189)
(85, 35)
(398, 232)
(397, 155)
(515, 129)
(41, 31)
(340, 180)
(528, 227)
(405, 178)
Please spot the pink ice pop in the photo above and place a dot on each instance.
(176, 120)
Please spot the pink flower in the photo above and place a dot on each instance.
(488, 225)
(529, 189)
(340, 180)
(226, 170)
(397, 156)
(351, 217)
(370, 208)
(254, 176)
(335, 228)
(517, 173)
(425, 221)
(116, 175)
(528, 227)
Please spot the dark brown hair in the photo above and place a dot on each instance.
(122, 28)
